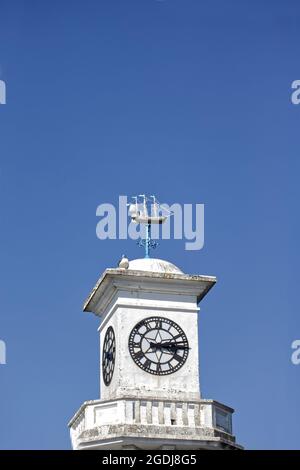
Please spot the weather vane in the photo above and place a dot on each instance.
(146, 211)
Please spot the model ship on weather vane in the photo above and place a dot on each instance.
(146, 210)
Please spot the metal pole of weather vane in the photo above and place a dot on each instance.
(138, 211)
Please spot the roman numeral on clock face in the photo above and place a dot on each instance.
(177, 336)
(138, 355)
(177, 358)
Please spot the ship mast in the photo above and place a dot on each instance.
(146, 214)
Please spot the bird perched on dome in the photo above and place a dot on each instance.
(124, 262)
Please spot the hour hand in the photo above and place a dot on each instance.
(155, 345)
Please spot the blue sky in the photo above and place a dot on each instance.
(185, 99)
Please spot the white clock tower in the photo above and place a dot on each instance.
(149, 364)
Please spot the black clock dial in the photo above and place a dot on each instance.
(108, 355)
(158, 345)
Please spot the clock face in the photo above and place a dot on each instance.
(158, 346)
(108, 355)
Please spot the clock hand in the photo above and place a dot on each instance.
(172, 342)
(168, 346)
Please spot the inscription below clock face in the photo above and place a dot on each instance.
(158, 345)
(108, 355)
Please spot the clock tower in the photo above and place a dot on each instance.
(149, 364)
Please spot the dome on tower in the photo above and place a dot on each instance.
(154, 265)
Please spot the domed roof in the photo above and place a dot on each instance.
(154, 265)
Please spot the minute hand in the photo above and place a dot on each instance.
(174, 345)
(168, 346)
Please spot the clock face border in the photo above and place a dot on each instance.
(169, 331)
(108, 355)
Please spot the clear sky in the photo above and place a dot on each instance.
(186, 99)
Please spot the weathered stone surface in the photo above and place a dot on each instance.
(101, 422)
(138, 409)
(147, 435)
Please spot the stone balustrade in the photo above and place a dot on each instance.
(191, 414)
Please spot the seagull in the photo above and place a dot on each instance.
(124, 262)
